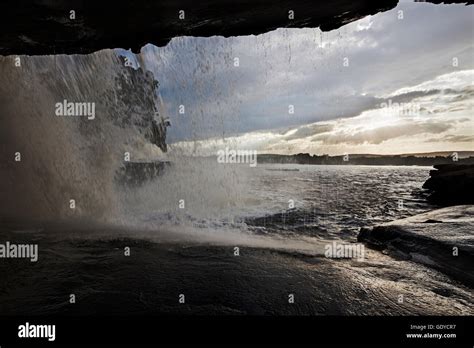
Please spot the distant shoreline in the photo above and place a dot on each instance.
(396, 160)
(461, 157)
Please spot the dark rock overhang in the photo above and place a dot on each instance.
(37, 27)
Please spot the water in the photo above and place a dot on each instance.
(182, 228)
(191, 251)
(64, 158)
(335, 201)
(277, 201)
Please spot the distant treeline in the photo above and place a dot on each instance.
(400, 160)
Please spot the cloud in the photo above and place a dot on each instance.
(453, 139)
(381, 134)
(402, 61)
(311, 130)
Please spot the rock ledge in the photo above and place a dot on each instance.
(433, 239)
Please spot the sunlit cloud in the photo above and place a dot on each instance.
(420, 67)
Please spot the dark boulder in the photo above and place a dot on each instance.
(451, 184)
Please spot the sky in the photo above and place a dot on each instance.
(400, 81)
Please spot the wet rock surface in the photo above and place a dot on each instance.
(442, 239)
(91, 264)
